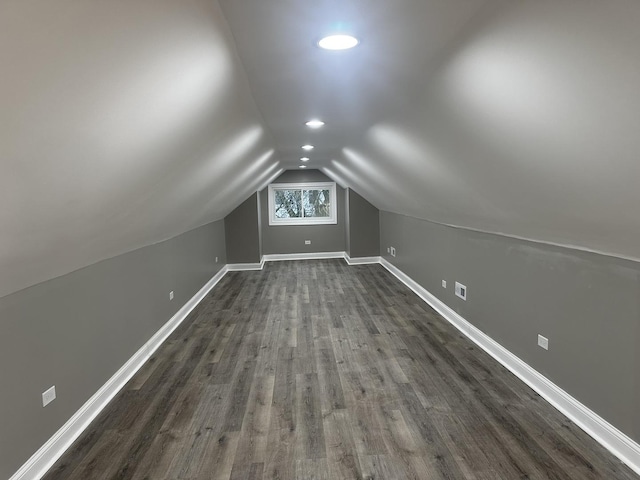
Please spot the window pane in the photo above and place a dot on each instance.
(316, 203)
(288, 203)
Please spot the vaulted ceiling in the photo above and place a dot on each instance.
(126, 123)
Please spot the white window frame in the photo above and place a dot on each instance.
(332, 219)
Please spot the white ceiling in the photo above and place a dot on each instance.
(123, 124)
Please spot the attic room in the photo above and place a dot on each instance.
(248, 239)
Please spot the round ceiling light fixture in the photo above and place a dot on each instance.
(304, 159)
(315, 123)
(302, 166)
(307, 147)
(338, 42)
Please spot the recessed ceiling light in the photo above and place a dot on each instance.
(338, 42)
(302, 166)
(304, 159)
(307, 147)
(315, 123)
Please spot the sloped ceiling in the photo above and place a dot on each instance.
(126, 123)
(520, 118)
(121, 124)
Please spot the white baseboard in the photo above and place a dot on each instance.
(303, 256)
(41, 461)
(602, 431)
(361, 260)
(241, 267)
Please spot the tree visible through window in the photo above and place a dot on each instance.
(288, 203)
(316, 203)
(302, 203)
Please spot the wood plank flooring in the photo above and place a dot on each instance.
(319, 370)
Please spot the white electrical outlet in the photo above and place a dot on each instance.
(49, 396)
(393, 251)
(543, 342)
(216, 259)
(388, 249)
(307, 242)
(461, 291)
(171, 295)
(444, 284)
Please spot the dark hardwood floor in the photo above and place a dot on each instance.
(319, 370)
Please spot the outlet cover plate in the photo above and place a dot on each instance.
(307, 242)
(171, 295)
(444, 284)
(49, 396)
(543, 342)
(393, 251)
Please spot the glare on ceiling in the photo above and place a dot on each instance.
(304, 159)
(302, 166)
(315, 123)
(338, 42)
(307, 147)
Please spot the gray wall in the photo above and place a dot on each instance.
(114, 134)
(77, 330)
(290, 238)
(363, 227)
(586, 304)
(347, 232)
(259, 201)
(242, 230)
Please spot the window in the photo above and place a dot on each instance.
(302, 204)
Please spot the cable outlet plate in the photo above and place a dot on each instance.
(461, 291)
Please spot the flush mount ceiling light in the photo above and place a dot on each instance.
(307, 147)
(304, 159)
(302, 166)
(315, 123)
(338, 42)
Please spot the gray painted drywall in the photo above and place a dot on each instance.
(259, 225)
(302, 176)
(347, 220)
(242, 231)
(586, 304)
(121, 125)
(363, 226)
(77, 330)
(290, 238)
(527, 125)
